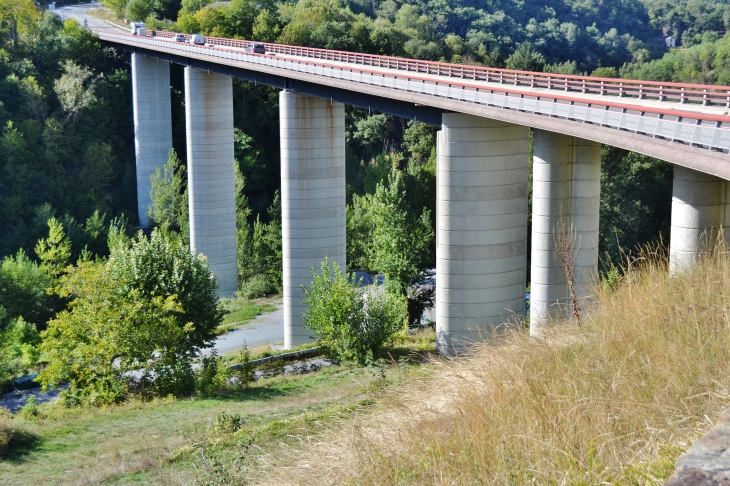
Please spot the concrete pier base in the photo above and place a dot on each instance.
(312, 198)
(481, 221)
(152, 123)
(211, 176)
(566, 184)
(700, 210)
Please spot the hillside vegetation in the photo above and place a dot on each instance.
(612, 402)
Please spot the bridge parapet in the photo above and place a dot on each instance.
(640, 89)
(689, 126)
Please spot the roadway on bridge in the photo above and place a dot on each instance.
(520, 89)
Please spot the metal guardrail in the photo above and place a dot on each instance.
(292, 355)
(662, 91)
(692, 128)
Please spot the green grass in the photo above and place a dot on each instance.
(240, 311)
(171, 441)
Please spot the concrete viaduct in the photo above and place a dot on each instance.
(482, 163)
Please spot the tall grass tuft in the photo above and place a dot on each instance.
(614, 401)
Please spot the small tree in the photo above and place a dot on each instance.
(401, 246)
(54, 251)
(566, 246)
(351, 323)
(169, 197)
(526, 58)
(18, 348)
(135, 323)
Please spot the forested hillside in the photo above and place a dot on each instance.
(67, 138)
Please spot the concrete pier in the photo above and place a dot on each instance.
(566, 182)
(481, 221)
(312, 198)
(211, 179)
(152, 123)
(699, 211)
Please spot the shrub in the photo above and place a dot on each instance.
(212, 376)
(229, 422)
(31, 409)
(18, 350)
(23, 287)
(136, 322)
(13, 437)
(350, 324)
(257, 287)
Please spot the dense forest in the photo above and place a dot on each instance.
(67, 174)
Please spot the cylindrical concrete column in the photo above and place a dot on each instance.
(481, 221)
(211, 177)
(698, 212)
(312, 198)
(566, 183)
(152, 123)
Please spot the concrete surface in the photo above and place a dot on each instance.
(265, 329)
(481, 226)
(566, 183)
(211, 177)
(152, 124)
(700, 205)
(312, 198)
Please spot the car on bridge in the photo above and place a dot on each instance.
(256, 48)
(197, 39)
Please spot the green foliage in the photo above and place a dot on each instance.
(66, 129)
(401, 244)
(139, 10)
(419, 140)
(567, 67)
(54, 251)
(18, 348)
(75, 88)
(147, 311)
(244, 372)
(228, 422)
(605, 72)
(13, 436)
(31, 409)
(526, 58)
(374, 133)
(23, 285)
(350, 324)
(168, 208)
(636, 195)
(257, 287)
(359, 232)
(212, 376)
(259, 247)
(707, 62)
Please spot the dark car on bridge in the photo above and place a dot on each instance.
(256, 48)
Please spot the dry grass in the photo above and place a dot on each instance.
(615, 401)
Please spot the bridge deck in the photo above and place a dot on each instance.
(691, 133)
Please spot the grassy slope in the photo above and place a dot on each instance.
(160, 442)
(177, 441)
(613, 402)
